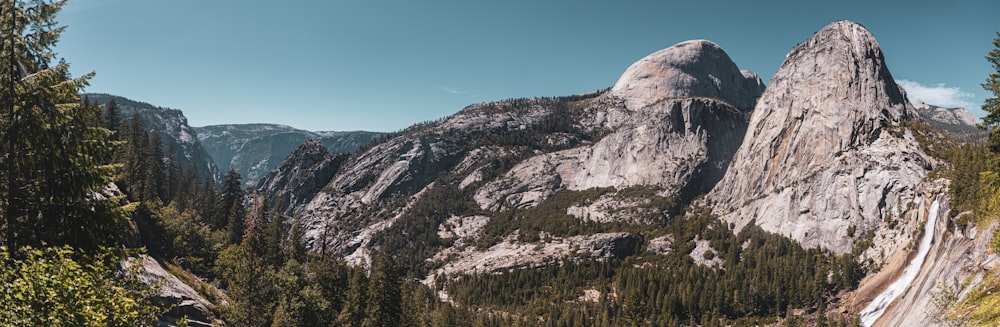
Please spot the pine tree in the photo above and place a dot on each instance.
(992, 105)
(154, 182)
(384, 307)
(251, 285)
(112, 118)
(353, 310)
(54, 175)
(134, 158)
(231, 214)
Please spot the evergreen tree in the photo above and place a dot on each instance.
(134, 158)
(112, 118)
(992, 105)
(231, 213)
(251, 285)
(53, 174)
(154, 181)
(384, 307)
(353, 311)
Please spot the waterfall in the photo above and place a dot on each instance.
(874, 310)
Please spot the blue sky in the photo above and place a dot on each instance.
(383, 65)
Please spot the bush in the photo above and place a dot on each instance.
(61, 287)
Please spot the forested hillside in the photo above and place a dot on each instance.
(687, 194)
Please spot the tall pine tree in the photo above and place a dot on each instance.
(112, 118)
(53, 170)
(384, 307)
(992, 105)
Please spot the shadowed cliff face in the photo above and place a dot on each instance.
(825, 149)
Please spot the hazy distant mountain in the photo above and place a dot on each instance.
(171, 123)
(254, 149)
(960, 123)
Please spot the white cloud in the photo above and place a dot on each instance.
(939, 95)
(452, 90)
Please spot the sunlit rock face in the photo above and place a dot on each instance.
(697, 68)
(825, 149)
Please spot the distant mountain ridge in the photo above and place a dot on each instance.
(255, 149)
(959, 123)
(171, 123)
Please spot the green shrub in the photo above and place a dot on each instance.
(59, 286)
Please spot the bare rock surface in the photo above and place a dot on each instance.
(959, 123)
(957, 263)
(697, 68)
(300, 176)
(951, 116)
(185, 301)
(825, 149)
(510, 254)
(693, 102)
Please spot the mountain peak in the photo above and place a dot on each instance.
(818, 138)
(696, 68)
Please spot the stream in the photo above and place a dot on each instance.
(874, 310)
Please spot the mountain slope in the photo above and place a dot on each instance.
(172, 125)
(632, 144)
(827, 152)
(307, 169)
(254, 149)
(958, 123)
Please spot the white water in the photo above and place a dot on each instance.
(874, 310)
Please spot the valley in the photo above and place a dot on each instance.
(688, 192)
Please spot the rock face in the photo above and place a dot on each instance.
(671, 125)
(680, 146)
(959, 261)
(253, 150)
(184, 301)
(173, 127)
(510, 255)
(825, 151)
(299, 177)
(959, 123)
(697, 68)
(950, 116)
(685, 118)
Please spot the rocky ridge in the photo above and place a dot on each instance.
(518, 153)
(306, 170)
(958, 123)
(825, 152)
(173, 127)
(253, 150)
(677, 133)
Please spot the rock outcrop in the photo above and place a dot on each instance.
(671, 124)
(958, 123)
(958, 262)
(825, 152)
(685, 118)
(697, 68)
(183, 301)
(300, 176)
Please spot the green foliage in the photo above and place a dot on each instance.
(53, 175)
(384, 295)
(60, 286)
(550, 215)
(251, 285)
(190, 241)
(992, 104)
(762, 275)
